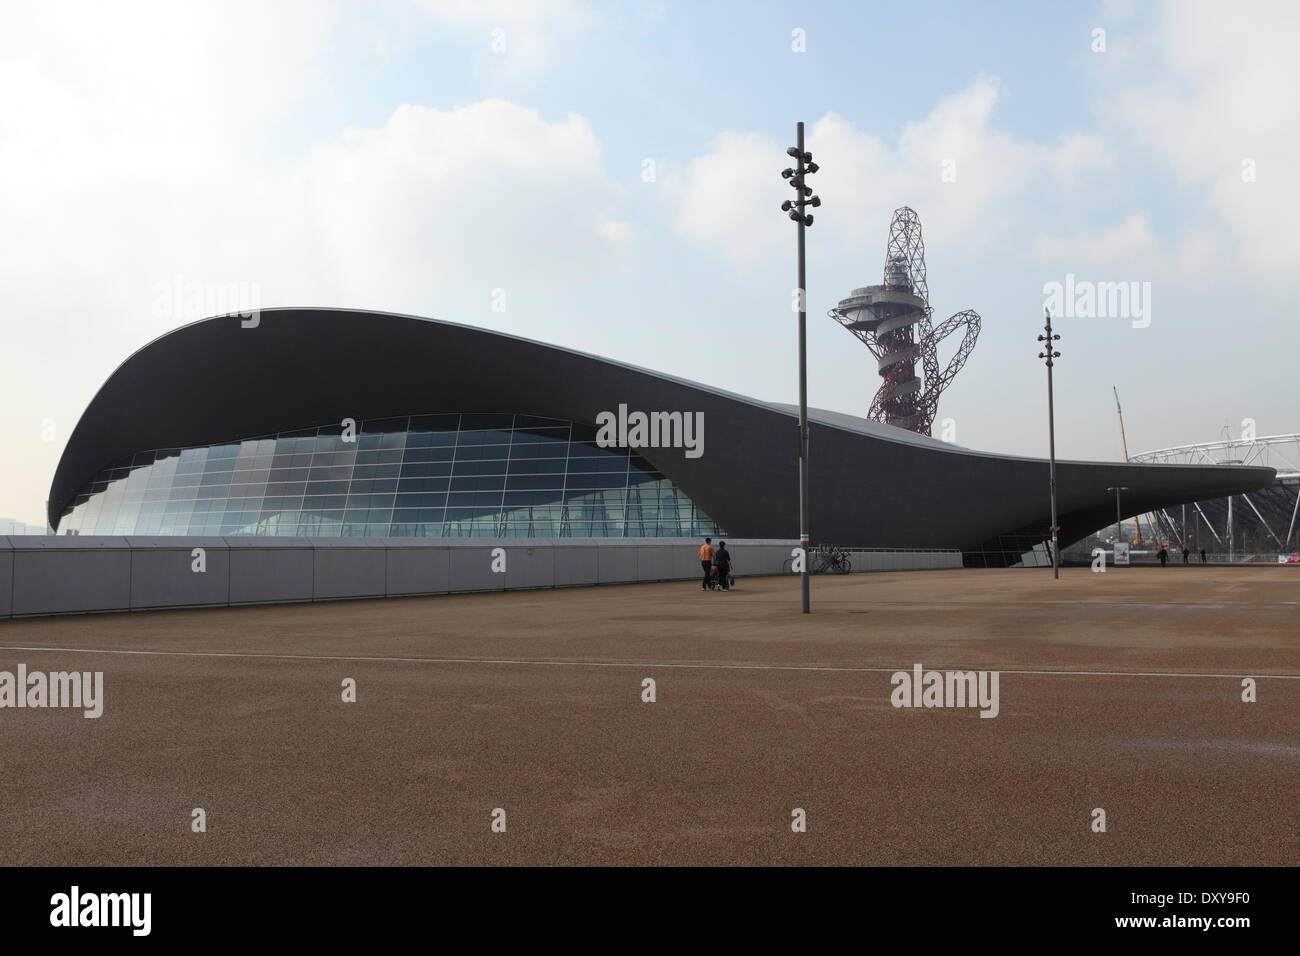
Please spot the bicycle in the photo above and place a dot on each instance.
(822, 559)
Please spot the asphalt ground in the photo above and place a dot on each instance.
(1120, 691)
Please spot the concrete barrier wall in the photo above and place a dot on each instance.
(75, 574)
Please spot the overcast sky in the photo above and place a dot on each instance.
(609, 173)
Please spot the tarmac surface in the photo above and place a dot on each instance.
(1120, 691)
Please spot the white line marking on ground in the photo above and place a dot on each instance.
(572, 663)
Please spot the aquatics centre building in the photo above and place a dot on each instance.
(333, 422)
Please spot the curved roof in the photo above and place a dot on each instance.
(214, 381)
(1247, 451)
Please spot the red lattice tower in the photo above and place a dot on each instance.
(893, 319)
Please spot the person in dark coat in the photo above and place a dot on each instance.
(1187, 553)
(722, 563)
(1163, 555)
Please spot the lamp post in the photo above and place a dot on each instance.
(804, 166)
(1118, 521)
(1051, 354)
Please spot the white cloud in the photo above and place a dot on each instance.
(1130, 246)
(141, 147)
(952, 166)
(439, 204)
(522, 37)
(1207, 87)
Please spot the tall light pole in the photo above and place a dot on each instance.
(1051, 354)
(804, 166)
(1118, 521)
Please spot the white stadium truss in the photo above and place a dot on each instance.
(1268, 512)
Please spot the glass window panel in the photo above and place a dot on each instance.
(534, 482)
(592, 450)
(543, 450)
(442, 453)
(537, 466)
(273, 505)
(517, 498)
(602, 465)
(381, 456)
(333, 459)
(481, 452)
(327, 488)
(422, 484)
(385, 485)
(420, 501)
(473, 439)
(430, 440)
(495, 467)
(376, 471)
(479, 483)
(464, 499)
(435, 469)
(279, 488)
(596, 481)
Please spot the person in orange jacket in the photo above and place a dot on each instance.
(706, 562)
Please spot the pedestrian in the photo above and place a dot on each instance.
(1163, 555)
(1202, 555)
(706, 562)
(722, 563)
(1187, 553)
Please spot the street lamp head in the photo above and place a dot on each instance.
(792, 151)
(807, 220)
(794, 215)
(812, 167)
(787, 173)
(815, 201)
(785, 206)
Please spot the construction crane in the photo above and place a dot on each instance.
(1137, 531)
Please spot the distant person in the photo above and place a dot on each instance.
(1187, 553)
(1163, 555)
(706, 562)
(722, 564)
(1202, 555)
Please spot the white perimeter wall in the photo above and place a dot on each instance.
(78, 574)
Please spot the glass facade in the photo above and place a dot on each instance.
(457, 475)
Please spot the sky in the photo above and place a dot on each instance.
(606, 176)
